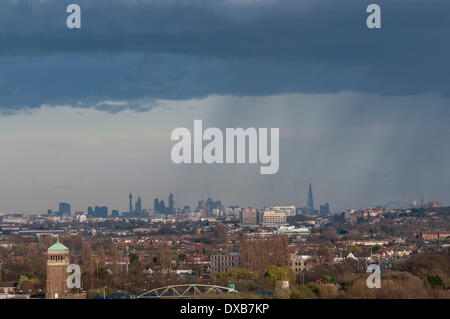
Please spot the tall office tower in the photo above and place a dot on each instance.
(64, 209)
(325, 209)
(310, 204)
(156, 205)
(204, 209)
(131, 203)
(57, 262)
(100, 212)
(162, 207)
(90, 211)
(138, 207)
(171, 204)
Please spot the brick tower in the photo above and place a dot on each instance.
(57, 262)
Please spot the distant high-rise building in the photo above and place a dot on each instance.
(325, 209)
(156, 205)
(138, 207)
(310, 204)
(100, 212)
(233, 211)
(131, 204)
(90, 211)
(171, 203)
(64, 209)
(114, 213)
(204, 209)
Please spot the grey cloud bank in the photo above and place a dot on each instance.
(134, 50)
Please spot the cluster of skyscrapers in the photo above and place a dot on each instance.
(160, 207)
(210, 208)
(205, 209)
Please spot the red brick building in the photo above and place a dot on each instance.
(57, 262)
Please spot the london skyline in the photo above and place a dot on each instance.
(137, 207)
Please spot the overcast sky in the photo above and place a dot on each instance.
(86, 115)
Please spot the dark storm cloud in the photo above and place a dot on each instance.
(133, 50)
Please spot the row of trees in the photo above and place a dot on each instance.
(258, 254)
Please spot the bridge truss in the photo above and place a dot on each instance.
(186, 291)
